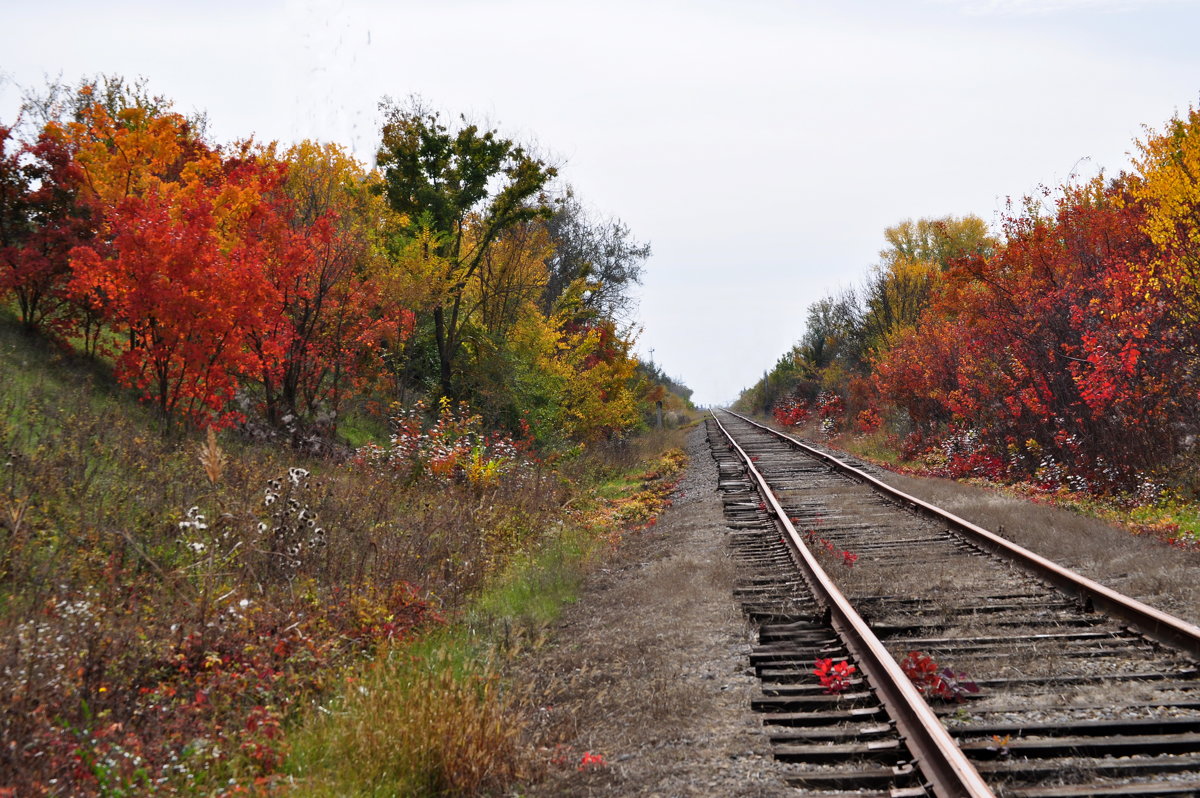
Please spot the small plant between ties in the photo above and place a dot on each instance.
(834, 676)
(848, 558)
(1000, 744)
(934, 681)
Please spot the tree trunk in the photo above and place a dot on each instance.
(445, 355)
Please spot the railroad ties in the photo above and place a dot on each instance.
(1046, 697)
(837, 741)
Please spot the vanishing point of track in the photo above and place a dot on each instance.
(1077, 690)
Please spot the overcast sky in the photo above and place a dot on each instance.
(759, 146)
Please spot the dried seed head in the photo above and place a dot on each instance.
(212, 458)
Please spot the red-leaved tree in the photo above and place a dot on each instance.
(1052, 351)
(41, 220)
(184, 284)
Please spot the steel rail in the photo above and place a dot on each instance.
(941, 761)
(1153, 623)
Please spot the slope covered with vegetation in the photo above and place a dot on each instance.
(386, 417)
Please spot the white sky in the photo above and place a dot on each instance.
(760, 146)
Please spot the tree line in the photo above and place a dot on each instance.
(288, 282)
(1062, 349)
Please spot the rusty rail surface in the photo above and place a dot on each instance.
(1154, 624)
(939, 758)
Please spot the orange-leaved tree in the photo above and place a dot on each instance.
(184, 283)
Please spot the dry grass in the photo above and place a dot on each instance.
(414, 725)
(212, 459)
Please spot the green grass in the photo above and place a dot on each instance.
(358, 429)
(1171, 517)
(529, 596)
(618, 487)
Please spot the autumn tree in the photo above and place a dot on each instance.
(30, 272)
(573, 382)
(918, 374)
(133, 150)
(1049, 350)
(84, 148)
(464, 187)
(172, 269)
(185, 286)
(41, 219)
(1168, 184)
(938, 241)
(512, 275)
(319, 240)
(899, 287)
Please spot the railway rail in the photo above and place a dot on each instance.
(982, 669)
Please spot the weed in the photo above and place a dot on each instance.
(590, 761)
(212, 459)
(791, 412)
(934, 681)
(834, 677)
(827, 547)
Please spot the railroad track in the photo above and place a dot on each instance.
(980, 669)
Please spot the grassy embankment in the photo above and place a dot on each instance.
(192, 618)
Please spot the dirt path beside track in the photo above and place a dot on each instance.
(649, 668)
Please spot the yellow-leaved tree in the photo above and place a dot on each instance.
(1169, 186)
(599, 399)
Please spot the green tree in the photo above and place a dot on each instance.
(462, 188)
